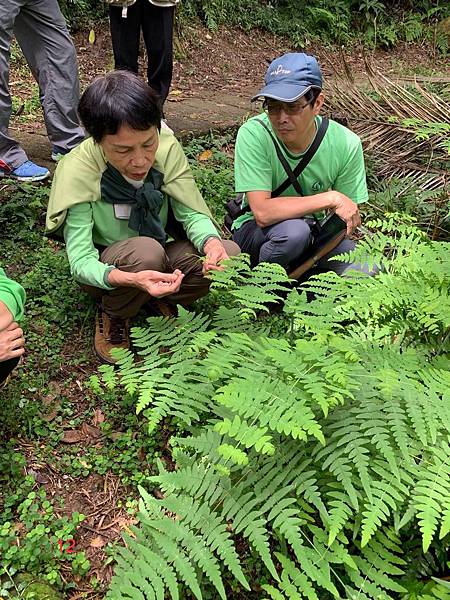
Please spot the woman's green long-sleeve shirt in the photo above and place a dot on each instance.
(77, 210)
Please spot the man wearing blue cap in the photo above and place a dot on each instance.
(274, 224)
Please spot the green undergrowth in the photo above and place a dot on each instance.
(315, 459)
(211, 160)
(376, 23)
(59, 389)
(50, 393)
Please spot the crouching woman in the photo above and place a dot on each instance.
(12, 299)
(133, 220)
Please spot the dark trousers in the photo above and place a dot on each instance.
(285, 242)
(6, 367)
(157, 28)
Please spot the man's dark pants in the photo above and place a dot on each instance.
(6, 367)
(285, 242)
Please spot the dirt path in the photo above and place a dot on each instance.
(215, 74)
(192, 116)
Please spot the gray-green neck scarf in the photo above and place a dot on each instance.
(145, 201)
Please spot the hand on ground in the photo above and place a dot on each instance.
(215, 253)
(12, 342)
(159, 284)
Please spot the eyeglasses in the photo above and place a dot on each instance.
(274, 107)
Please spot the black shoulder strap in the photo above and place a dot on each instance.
(292, 175)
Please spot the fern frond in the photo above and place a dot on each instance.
(151, 573)
(339, 514)
(312, 560)
(233, 454)
(293, 583)
(213, 529)
(246, 434)
(274, 404)
(385, 499)
(378, 577)
(176, 532)
(432, 493)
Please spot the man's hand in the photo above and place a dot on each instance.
(347, 210)
(215, 253)
(12, 342)
(155, 283)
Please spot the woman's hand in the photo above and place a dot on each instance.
(12, 342)
(159, 284)
(155, 283)
(215, 253)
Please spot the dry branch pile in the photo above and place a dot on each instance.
(404, 125)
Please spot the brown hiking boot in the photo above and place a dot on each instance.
(158, 307)
(110, 332)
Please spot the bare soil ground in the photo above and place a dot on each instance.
(215, 75)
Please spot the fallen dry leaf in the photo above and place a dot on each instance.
(54, 391)
(99, 417)
(72, 436)
(97, 542)
(205, 155)
(175, 93)
(50, 416)
(125, 523)
(90, 431)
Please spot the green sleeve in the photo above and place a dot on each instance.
(83, 256)
(351, 180)
(13, 295)
(252, 167)
(198, 227)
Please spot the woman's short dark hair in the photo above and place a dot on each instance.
(115, 99)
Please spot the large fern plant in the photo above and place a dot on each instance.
(310, 456)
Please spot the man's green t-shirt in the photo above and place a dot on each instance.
(337, 165)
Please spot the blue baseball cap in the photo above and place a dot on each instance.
(289, 77)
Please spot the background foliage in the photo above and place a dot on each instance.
(376, 22)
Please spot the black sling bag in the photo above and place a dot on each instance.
(234, 206)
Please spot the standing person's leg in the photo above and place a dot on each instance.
(126, 34)
(157, 29)
(42, 34)
(10, 151)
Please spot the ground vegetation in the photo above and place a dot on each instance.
(377, 23)
(342, 493)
